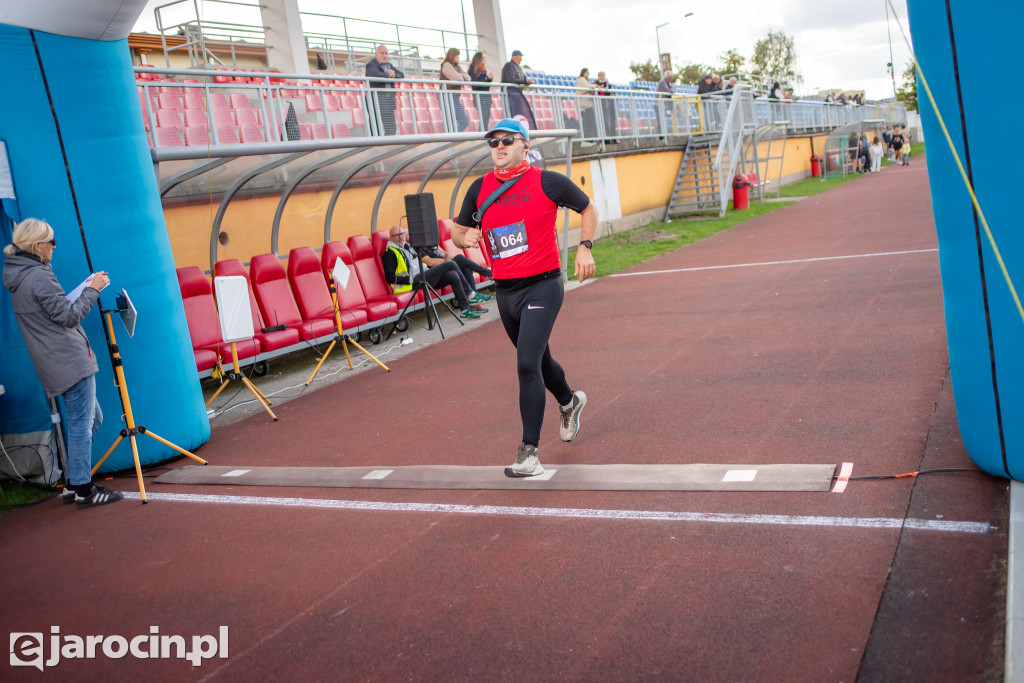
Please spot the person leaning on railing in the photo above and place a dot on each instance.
(513, 74)
(380, 67)
(451, 71)
(479, 74)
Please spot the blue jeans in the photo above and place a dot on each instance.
(84, 419)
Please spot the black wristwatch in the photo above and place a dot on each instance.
(587, 243)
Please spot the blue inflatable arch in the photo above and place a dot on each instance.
(956, 42)
(79, 159)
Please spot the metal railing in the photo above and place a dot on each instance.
(416, 50)
(344, 43)
(221, 106)
(737, 121)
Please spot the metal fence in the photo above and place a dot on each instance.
(203, 107)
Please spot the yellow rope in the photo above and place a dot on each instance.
(963, 173)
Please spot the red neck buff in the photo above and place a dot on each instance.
(514, 172)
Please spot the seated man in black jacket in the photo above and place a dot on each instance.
(402, 269)
(435, 256)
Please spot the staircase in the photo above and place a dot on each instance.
(697, 184)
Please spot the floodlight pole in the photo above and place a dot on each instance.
(657, 39)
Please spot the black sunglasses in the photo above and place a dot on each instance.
(508, 141)
(52, 241)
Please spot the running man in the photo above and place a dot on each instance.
(518, 229)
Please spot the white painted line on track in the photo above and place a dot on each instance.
(579, 513)
(235, 473)
(740, 475)
(775, 263)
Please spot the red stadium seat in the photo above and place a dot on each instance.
(269, 341)
(239, 101)
(169, 137)
(274, 296)
(203, 323)
(168, 118)
(197, 136)
(351, 298)
(227, 135)
(170, 100)
(366, 261)
(196, 117)
(313, 102)
(309, 286)
(444, 228)
(247, 117)
(319, 131)
(218, 102)
(252, 133)
(340, 130)
(194, 99)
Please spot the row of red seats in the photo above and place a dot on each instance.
(298, 297)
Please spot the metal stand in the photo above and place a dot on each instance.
(131, 429)
(236, 374)
(341, 336)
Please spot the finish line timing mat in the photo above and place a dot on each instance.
(692, 477)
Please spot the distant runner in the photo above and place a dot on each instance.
(517, 227)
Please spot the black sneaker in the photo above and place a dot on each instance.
(67, 495)
(477, 308)
(98, 496)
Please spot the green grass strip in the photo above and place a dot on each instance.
(626, 249)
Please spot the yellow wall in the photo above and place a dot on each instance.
(646, 181)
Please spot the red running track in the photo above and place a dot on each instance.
(810, 359)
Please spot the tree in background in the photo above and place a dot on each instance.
(648, 71)
(685, 73)
(732, 61)
(774, 58)
(908, 93)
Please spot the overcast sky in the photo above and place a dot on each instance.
(838, 44)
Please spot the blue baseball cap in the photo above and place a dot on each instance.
(510, 126)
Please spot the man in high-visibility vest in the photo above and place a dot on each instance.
(402, 269)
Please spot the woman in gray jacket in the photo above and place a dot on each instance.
(66, 365)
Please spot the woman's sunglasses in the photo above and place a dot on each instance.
(508, 141)
(51, 242)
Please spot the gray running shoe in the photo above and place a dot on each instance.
(571, 418)
(526, 464)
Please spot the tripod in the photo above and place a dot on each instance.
(421, 285)
(340, 335)
(131, 429)
(236, 374)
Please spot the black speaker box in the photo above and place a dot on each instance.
(419, 211)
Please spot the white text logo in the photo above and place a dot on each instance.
(27, 648)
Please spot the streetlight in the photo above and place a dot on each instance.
(657, 38)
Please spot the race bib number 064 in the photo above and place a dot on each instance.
(508, 240)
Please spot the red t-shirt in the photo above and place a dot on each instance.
(519, 227)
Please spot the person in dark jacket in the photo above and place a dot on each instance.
(49, 323)
(513, 74)
(380, 67)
